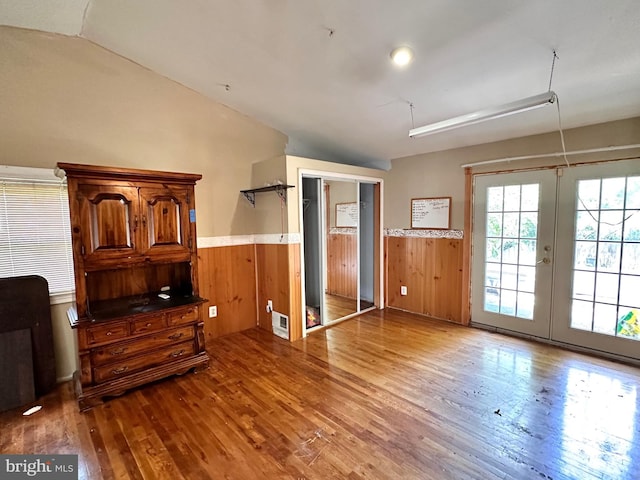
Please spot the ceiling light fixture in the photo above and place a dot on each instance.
(402, 56)
(492, 113)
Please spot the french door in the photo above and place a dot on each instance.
(514, 219)
(568, 268)
(598, 263)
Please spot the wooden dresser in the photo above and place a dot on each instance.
(139, 315)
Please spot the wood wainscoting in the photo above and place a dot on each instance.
(431, 269)
(278, 278)
(227, 277)
(239, 279)
(342, 264)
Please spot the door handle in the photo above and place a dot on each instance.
(545, 260)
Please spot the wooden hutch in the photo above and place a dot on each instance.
(139, 316)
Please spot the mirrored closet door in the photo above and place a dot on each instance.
(341, 239)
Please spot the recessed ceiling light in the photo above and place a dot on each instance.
(402, 56)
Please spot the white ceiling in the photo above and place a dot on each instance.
(319, 70)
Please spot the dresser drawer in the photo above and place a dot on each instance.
(149, 324)
(184, 315)
(122, 350)
(106, 333)
(135, 364)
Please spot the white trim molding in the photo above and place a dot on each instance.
(260, 238)
(59, 298)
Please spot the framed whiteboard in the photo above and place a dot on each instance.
(432, 213)
(347, 214)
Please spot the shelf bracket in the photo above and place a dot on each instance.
(280, 189)
(282, 193)
(251, 196)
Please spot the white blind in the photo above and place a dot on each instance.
(35, 235)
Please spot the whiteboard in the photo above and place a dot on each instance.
(347, 214)
(432, 213)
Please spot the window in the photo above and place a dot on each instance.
(35, 235)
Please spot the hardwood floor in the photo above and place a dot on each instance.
(338, 307)
(385, 395)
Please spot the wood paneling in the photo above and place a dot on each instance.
(431, 269)
(386, 395)
(295, 293)
(342, 265)
(278, 268)
(273, 281)
(228, 279)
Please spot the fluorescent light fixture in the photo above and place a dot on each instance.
(488, 114)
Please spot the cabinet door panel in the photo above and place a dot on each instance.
(109, 219)
(165, 216)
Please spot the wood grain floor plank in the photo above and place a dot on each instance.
(386, 395)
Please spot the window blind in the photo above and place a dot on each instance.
(35, 232)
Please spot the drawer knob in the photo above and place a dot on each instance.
(177, 354)
(118, 351)
(175, 336)
(148, 324)
(118, 371)
(109, 333)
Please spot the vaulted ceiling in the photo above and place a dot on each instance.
(320, 71)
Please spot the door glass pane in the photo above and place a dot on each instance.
(582, 315)
(607, 241)
(494, 224)
(612, 193)
(609, 257)
(529, 198)
(525, 305)
(494, 250)
(583, 285)
(512, 231)
(494, 199)
(633, 193)
(631, 258)
(604, 318)
(508, 302)
(611, 225)
(585, 257)
(588, 195)
(511, 225)
(632, 226)
(526, 279)
(630, 290)
(607, 288)
(528, 252)
(586, 226)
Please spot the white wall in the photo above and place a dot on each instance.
(439, 174)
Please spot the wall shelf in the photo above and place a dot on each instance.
(280, 189)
